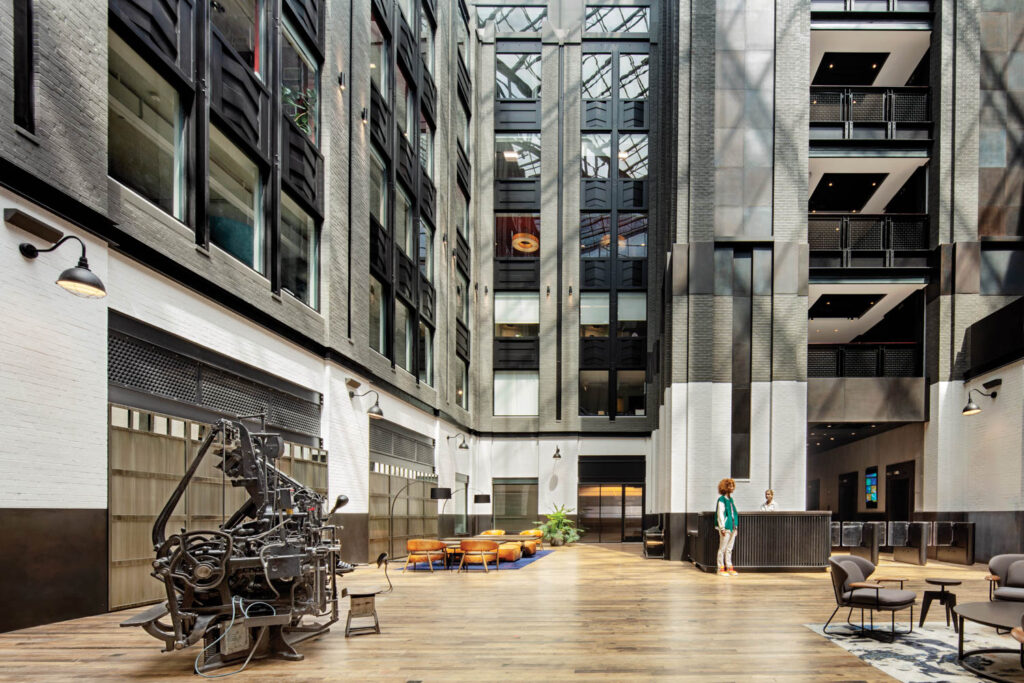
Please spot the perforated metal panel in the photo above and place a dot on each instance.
(822, 362)
(860, 362)
(825, 233)
(900, 362)
(133, 363)
(909, 107)
(867, 106)
(909, 234)
(865, 234)
(826, 107)
(388, 441)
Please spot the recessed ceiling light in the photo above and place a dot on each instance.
(829, 426)
(830, 184)
(814, 101)
(818, 443)
(831, 65)
(836, 330)
(854, 211)
(828, 303)
(872, 303)
(874, 66)
(831, 438)
(872, 425)
(873, 184)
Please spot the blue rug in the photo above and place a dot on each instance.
(518, 564)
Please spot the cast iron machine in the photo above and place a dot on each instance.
(245, 588)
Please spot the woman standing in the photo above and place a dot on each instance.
(726, 521)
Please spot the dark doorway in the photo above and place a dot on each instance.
(611, 498)
(899, 492)
(847, 496)
(813, 495)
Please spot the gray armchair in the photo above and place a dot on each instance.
(1006, 578)
(853, 589)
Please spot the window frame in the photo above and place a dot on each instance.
(289, 34)
(259, 222)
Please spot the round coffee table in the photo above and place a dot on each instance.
(945, 598)
(998, 614)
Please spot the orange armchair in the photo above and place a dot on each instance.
(479, 552)
(493, 532)
(536, 533)
(424, 550)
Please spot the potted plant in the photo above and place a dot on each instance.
(559, 529)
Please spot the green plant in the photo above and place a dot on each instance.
(559, 528)
(302, 104)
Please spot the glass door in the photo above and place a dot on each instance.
(611, 513)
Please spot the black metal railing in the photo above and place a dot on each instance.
(871, 6)
(886, 240)
(892, 359)
(869, 105)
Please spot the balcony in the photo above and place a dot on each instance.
(868, 241)
(894, 359)
(871, 6)
(868, 383)
(870, 113)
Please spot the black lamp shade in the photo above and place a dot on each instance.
(481, 498)
(81, 281)
(971, 408)
(440, 493)
(375, 412)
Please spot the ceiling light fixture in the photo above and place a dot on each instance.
(525, 242)
(79, 280)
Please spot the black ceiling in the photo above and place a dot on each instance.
(848, 306)
(823, 437)
(844, 192)
(849, 68)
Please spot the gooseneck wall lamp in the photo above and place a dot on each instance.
(463, 446)
(79, 280)
(374, 411)
(972, 408)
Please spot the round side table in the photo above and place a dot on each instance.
(946, 598)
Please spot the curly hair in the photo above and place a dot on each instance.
(726, 486)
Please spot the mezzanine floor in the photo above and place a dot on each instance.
(583, 612)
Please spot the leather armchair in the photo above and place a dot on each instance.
(424, 550)
(479, 552)
(852, 589)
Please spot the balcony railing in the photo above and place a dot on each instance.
(871, 6)
(871, 241)
(870, 113)
(893, 359)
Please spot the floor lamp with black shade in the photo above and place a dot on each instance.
(481, 499)
(429, 479)
(441, 493)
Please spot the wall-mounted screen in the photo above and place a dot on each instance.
(871, 487)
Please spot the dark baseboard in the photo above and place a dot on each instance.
(55, 565)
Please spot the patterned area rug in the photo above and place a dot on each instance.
(518, 564)
(929, 653)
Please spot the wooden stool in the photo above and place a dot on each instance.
(362, 606)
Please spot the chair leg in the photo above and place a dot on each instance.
(483, 558)
(430, 563)
(824, 628)
(406, 564)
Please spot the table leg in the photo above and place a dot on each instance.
(960, 651)
(950, 614)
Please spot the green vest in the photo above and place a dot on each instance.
(731, 516)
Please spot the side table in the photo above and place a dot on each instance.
(946, 598)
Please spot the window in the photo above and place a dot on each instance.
(616, 20)
(241, 24)
(406, 7)
(516, 314)
(426, 250)
(24, 66)
(235, 212)
(595, 235)
(462, 214)
(461, 383)
(405, 338)
(403, 104)
(299, 252)
(379, 60)
(597, 154)
(633, 156)
(300, 84)
(630, 395)
(426, 147)
(462, 39)
(404, 231)
(426, 355)
(378, 189)
(593, 392)
(632, 314)
(633, 73)
(462, 298)
(516, 392)
(144, 129)
(517, 76)
(512, 19)
(632, 235)
(517, 236)
(462, 126)
(516, 156)
(594, 314)
(378, 318)
(597, 76)
(426, 42)
(515, 503)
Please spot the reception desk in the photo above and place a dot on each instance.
(769, 542)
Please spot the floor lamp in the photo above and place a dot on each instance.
(391, 512)
(482, 499)
(444, 494)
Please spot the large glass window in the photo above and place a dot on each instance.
(633, 76)
(616, 20)
(405, 338)
(597, 155)
(511, 19)
(378, 189)
(300, 84)
(517, 235)
(461, 126)
(516, 392)
(299, 252)
(403, 104)
(426, 250)
(595, 235)
(632, 235)
(426, 42)
(516, 314)
(235, 208)
(379, 59)
(462, 39)
(405, 233)
(461, 383)
(516, 155)
(630, 394)
(594, 314)
(517, 76)
(633, 156)
(515, 503)
(241, 23)
(597, 76)
(426, 147)
(144, 129)
(462, 298)
(425, 350)
(378, 317)
(632, 314)
(593, 392)
(462, 214)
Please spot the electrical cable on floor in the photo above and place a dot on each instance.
(245, 612)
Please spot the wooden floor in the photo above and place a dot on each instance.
(583, 612)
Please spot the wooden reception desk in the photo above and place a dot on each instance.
(768, 542)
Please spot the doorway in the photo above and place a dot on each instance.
(611, 498)
(899, 491)
(847, 496)
(813, 495)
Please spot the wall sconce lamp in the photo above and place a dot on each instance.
(557, 455)
(341, 80)
(374, 411)
(972, 408)
(364, 115)
(79, 280)
(463, 446)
